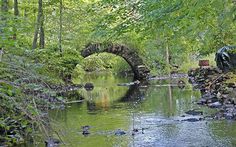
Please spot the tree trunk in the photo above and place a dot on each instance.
(41, 38)
(41, 34)
(1, 53)
(16, 10)
(16, 13)
(35, 36)
(60, 29)
(167, 58)
(39, 25)
(3, 18)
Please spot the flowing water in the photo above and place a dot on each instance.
(144, 116)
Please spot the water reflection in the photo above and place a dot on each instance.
(149, 116)
(134, 93)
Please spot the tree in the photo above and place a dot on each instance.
(3, 25)
(60, 29)
(16, 13)
(39, 28)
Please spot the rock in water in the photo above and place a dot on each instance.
(89, 86)
(181, 84)
(85, 130)
(194, 112)
(52, 142)
(119, 132)
(192, 119)
(215, 105)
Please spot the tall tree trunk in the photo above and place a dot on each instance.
(16, 13)
(3, 19)
(16, 10)
(34, 45)
(41, 38)
(60, 29)
(168, 57)
(38, 26)
(1, 54)
(41, 34)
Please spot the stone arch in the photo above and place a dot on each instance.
(136, 63)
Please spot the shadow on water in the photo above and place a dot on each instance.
(138, 115)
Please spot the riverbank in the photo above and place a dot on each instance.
(218, 90)
(29, 87)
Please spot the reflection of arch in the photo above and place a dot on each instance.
(134, 93)
(136, 63)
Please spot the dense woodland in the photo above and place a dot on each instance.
(41, 40)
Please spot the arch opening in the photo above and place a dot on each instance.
(106, 62)
(136, 63)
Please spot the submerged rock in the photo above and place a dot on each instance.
(229, 116)
(137, 82)
(202, 101)
(194, 112)
(134, 131)
(89, 86)
(230, 113)
(52, 142)
(86, 133)
(215, 105)
(119, 132)
(85, 130)
(208, 98)
(192, 119)
(181, 84)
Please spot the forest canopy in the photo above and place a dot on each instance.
(150, 25)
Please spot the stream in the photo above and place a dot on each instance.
(139, 116)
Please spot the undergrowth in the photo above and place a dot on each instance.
(29, 86)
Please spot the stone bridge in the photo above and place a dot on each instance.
(139, 69)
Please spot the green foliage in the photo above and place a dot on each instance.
(25, 94)
(104, 62)
(13, 126)
(54, 63)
